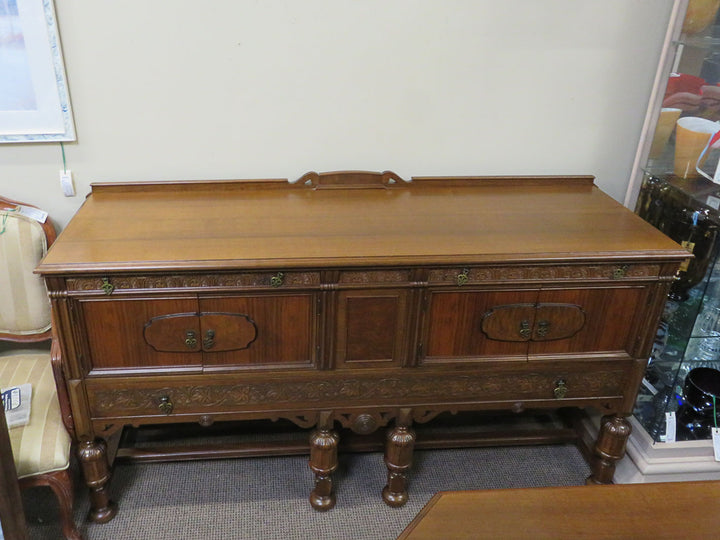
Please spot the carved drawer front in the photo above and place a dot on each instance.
(274, 279)
(166, 398)
(468, 275)
(558, 385)
(374, 277)
(372, 328)
(545, 386)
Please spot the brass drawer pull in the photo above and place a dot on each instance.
(209, 339)
(277, 280)
(463, 277)
(165, 405)
(524, 329)
(543, 327)
(620, 272)
(190, 339)
(561, 389)
(107, 287)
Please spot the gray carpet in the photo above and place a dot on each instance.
(267, 498)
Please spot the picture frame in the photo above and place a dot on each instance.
(34, 97)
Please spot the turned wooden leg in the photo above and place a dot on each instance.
(398, 459)
(323, 462)
(93, 459)
(609, 448)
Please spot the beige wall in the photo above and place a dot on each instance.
(270, 88)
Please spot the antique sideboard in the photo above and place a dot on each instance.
(356, 300)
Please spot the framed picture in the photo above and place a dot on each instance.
(34, 99)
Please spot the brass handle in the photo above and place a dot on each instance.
(543, 327)
(620, 272)
(190, 339)
(463, 277)
(524, 329)
(107, 287)
(209, 339)
(277, 280)
(561, 389)
(165, 405)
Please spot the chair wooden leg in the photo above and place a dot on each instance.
(62, 486)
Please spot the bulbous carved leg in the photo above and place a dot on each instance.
(398, 459)
(323, 462)
(609, 448)
(93, 459)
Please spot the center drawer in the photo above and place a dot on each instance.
(550, 387)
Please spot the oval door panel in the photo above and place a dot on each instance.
(177, 332)
(533, 322)
(557, 321)
(512, 322)
(226, 331)
(209, 332)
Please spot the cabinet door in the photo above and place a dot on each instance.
(601, 320)
(478, 325)
(259, 330)
(116, 329)
(372, 328)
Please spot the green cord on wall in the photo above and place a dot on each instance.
(62, 148)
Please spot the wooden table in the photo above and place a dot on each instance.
(354, 300)
(668, 510)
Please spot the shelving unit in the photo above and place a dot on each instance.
(688, 210)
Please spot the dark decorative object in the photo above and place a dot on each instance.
(698, 414)
(668, 210)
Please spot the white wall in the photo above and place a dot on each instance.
(275, 88)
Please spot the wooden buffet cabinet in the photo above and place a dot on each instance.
(352, 299)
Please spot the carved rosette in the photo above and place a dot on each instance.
(364, 423)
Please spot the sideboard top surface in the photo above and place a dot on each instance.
(273, 223)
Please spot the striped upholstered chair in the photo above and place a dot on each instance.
(41, 449)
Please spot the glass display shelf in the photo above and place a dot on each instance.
(685, 205)
(689, 333)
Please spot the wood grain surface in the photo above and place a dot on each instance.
(262, 224)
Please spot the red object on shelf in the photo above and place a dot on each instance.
(682, 82)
